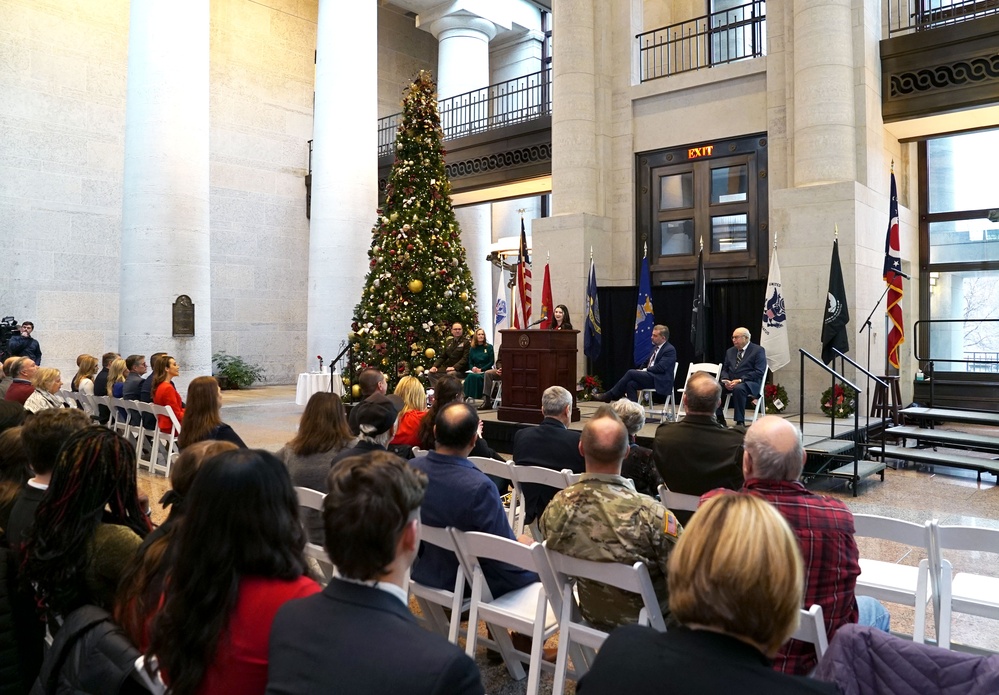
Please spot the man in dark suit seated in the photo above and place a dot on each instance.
(657, 374)
(549, 445)
(358, 635)
(698, 453)
(742, 373)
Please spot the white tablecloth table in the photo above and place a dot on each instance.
(316, 382)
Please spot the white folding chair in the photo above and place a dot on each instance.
(168, 440)
(145, 450)
(963, 592)
(674, 501)
(541, 476)
(431, 600)
(812, 629)
(646, 399)
(760, 400)
(104, 401)
(119, 415)
(575, 634)
(525, 610)
(313, 499)
(891, 581)
(712, 368)
(87, 404)
(500, 469)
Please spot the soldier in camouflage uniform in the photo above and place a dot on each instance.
(603, 518)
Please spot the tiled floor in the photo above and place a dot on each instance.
(267, 417)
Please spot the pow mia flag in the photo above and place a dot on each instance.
(837, 314)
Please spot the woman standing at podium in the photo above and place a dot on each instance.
(561, 322)
(480, 359)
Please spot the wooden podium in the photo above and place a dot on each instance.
(533, 360)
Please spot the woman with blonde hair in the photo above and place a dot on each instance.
(47, 382)
(203, 415)
(414, 407)
(84, 379)
(735, 584)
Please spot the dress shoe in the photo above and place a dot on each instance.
(602, 397)
(487, 404)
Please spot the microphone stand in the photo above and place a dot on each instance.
(333, 364)
(867, 325)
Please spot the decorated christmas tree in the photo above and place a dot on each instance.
(418, 281)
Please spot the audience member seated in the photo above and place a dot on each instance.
(203, 415)
(698, 454)
(376, 419)
(237, 558)
(602, 518)
(11, 414)
(371, 381)
(742, 373)
(480, 360)
(453, 359)
(561, 320)
(460, 495)
(165, 393)
(21, 372)
(772, 463)
(14, 473)
(414, 407)
(735, 582)
(144, 579)
(7, 379)
(88, 525)
(637, 464)
(101, 384)
(656, 374)
(132, 390)
(47, 382)
(322, 434)
(86, 370)
(449, 391)
(117, 373)
(146, 389)
(549, 445)
(358, 636)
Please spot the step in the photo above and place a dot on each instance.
(969, 417)
(938, 458)
(829, 447)
(961, 440)
(864, 469)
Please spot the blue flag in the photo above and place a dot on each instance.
(591, 331)
(644, 319)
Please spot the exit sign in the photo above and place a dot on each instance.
(697, 152)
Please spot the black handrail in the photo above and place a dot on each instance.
(931, 361)
(832, 420)
(882, 384)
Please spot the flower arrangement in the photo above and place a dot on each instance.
(320, 358)
(839, 401)
(588, 385)
(775, 397)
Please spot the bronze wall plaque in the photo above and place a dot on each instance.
(183, 317)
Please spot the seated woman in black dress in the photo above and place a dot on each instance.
(735, 583)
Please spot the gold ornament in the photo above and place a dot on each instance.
(415, 286)
(385, 360)
(419, 370)
(355, 391)
(429, 352)
(464, 296)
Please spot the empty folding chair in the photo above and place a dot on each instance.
(313, 500)
(525, 610)
(432, 600)
(712, 368)
(963, 592)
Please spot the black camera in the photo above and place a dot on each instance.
(8, 328)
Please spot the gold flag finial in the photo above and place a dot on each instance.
(645, 250)
(836, 231)
(893, 165)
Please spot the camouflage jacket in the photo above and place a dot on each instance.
(603, 518)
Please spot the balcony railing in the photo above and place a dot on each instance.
(721, 37)
(908, 16)
(518, 100)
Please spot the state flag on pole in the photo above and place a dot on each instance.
(546, 301)
(773, 335)
(698, 312)
(591, 330)
(837, 313)
(644, 318)
(893, 266)
(523, 308)
(502, 318)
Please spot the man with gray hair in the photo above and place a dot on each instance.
(772, 463)
(742, 373)
(549, 445)
(20, 387)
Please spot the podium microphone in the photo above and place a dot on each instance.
(539, 321)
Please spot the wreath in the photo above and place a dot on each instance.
(839, 401)
(775, 397)
(587, 386)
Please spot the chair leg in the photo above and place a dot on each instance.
(564, 638)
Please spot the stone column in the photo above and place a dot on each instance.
(825, 148)
(165, 247)
(344, 170)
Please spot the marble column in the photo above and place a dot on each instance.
(825, 147)
(344, 170)
(165, 246)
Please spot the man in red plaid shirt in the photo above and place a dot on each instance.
(772, 461)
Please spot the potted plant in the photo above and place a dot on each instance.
(234, 372)
(588, 385)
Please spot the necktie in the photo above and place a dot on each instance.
(738, 360)
(652, 360)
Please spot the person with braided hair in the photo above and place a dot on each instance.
(88, 526)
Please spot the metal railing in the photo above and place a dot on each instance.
(721, 37)
(502, 104)
(909, 16)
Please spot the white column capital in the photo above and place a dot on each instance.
(460, 24)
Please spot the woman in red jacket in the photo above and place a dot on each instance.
(164, 392)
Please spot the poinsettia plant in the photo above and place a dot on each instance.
(588, 385)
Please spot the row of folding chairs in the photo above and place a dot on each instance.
(155, 449)
(518, 475)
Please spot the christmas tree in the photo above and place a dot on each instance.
(418, 281)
